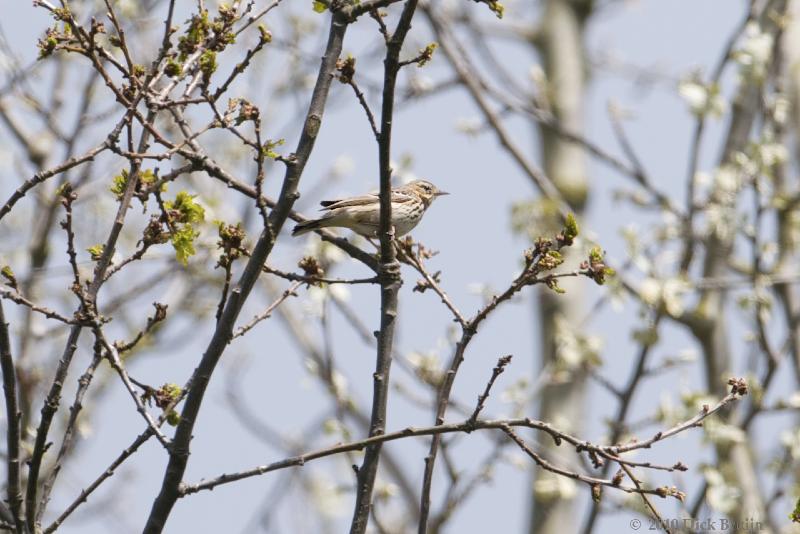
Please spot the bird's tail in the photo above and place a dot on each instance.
(308, 226)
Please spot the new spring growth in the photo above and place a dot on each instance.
(66, 193)
(213, 34)
(311, 268)
(795, 515)
(545, 252)
(269, 148)
(184, 215)
(208, 64)
(173, 67)
(11, 279)
(595, 267)
(164, 397)
(247, 110)
(96, 251)
(266, 35)
(144, 186)
(154, 233)
(546, 256)
(61, 34)
(194, 36)
(346, 68)
(426, 54)
(569, 232)
(230, 242)
(497, 8)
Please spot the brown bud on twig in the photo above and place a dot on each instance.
(311, 267)
(738, 386)
(346, 68)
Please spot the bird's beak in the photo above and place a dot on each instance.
(441, 193)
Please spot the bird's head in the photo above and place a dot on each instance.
(426, 190)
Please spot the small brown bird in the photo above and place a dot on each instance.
(362, 214)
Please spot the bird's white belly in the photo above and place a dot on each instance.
(368, 223)
(405, 225)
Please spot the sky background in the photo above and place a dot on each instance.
(471, 231)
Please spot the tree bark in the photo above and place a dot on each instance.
(561, 49)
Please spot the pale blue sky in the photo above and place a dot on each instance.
(470, 228)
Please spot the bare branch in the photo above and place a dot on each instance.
(13, 491)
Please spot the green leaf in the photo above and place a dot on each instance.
(497, 8)
(266, 35)
(552, 283)
(171, 390)
(119, 184)
(184, 214)
(147, 176)
(795, 515)
(550, 260)
(173, 418)
(596, 255)
(198, 31)
(571, 227)
(208, 64)
(188, 210)
(8, 274)
(96, 251)
(183, 243)
(426, 54)
(64, 190)
(173, 67)
(269, 148)
(598, 270)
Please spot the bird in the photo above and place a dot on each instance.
(362, 213)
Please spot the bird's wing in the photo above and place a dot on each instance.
(363, 200)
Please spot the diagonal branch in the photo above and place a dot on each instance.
(179, 455)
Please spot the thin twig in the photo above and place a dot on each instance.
(268, 312)
(15, 297)
(314, 280)
(112, 355)
(653, 510)
(69, 432)
(497, 371)
(465, 426)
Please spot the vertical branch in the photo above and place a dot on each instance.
(179, 454)
(712, 331)
(13, 417)
(697, 141)
(787, 261)
(562, 50)
(389, 276)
